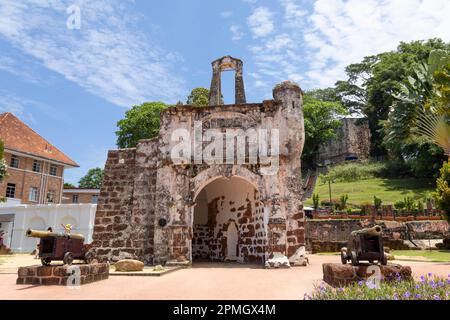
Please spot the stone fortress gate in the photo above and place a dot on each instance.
(186, 195)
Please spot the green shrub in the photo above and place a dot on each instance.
(399, 205)
(343, 202)
(327, 203)
(353, 171)
(377, 203)
(315, 198)
(420, 206)
(442, 194)
(409, 204)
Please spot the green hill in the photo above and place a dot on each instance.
(388, 190)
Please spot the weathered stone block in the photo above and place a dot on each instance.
(344, 274)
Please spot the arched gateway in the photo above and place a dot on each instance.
(219, 183)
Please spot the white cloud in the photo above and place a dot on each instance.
(236, 32)
(260, 22)
(108, 56)
(226, 14)
(314, 47)
(343, 32)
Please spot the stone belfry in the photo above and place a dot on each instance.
(224, 64)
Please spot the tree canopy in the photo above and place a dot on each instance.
(198, 97)
(321, 120)
(140, 122)
(371, 84)
(68, 185)
(93, 179)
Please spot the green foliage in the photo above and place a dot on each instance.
(420, 206)
(93, 179)
(442, 194)
(418, 120)
(315, 198)
(428, 288)
(321, 121)
(399, 205)
(353, 171)
(409, 204)
(68, 185)
(343, 201)
(198, 97)
(377, 202)
(372, 84)
(140, 122)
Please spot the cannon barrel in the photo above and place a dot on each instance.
(44, 234)
(374, 231)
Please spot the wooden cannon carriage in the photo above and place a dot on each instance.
(365, 244)
(60, 246)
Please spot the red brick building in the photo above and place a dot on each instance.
(35, 166)
(80, 195)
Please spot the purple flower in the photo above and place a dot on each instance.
(440, 283)
(340, 289)
(448, 281)
(418, 296)
(360, 283)
(430, 274)
(437, 297)
(417, 286)
(395, 297)
(407, 295)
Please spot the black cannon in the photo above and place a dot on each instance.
(365, 244)
(60, 246)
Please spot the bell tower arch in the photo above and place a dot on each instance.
(224, 64)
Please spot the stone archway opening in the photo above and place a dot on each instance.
(229, 222)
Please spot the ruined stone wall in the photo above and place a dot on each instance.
(147, 202)
(327, 235)
(352, 139)
(113, 231)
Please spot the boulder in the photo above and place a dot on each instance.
(336, 274)
(129, 265)
(278, 260)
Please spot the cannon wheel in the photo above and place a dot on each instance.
(68, 258)
(88, 257)
(46, 261)
(344, 257)
(383, 260)
(354, 258)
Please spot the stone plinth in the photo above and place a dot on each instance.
(59, 275)
(339, 275)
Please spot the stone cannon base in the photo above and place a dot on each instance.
(59, 274)
(339, 275)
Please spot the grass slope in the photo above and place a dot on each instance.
(388, 190)
(432, 255)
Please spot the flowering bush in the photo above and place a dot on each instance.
(428, 288)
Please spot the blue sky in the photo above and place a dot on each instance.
(73, 85)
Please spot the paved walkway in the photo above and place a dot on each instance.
(203, 281)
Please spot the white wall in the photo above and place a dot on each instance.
(80, 216)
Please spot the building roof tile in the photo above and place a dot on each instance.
(19, 137)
